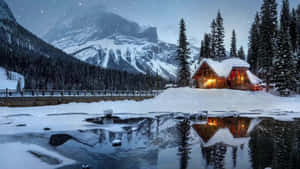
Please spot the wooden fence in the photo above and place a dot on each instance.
(78, 93)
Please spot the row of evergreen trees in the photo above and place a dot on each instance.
(212, 45)
(274, 49)
(56, 73)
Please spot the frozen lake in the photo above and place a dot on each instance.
(160, 141)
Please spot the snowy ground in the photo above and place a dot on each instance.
(11, 83)
(216, 102)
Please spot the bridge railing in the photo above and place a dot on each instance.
(78, 93)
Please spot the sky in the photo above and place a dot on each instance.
(40, 15)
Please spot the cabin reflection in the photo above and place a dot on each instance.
(238, 127)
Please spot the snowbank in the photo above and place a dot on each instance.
(186, 100)
(183, 100)
(18, 156)
(11, 81)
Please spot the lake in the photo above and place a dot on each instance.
(169, 141)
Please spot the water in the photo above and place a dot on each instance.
(166, 142)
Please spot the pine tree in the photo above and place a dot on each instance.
(213, 39)
(298, 42)
(293, 30)
(241, 53)
(233, 48)
(201, 50)
(254, 41)
(206, 46)
(268, 33)
(183, 53)
(220, 35)
(298, 30)
(284, 66)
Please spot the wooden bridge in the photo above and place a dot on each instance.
(24, 98)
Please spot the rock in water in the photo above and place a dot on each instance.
(59, 139)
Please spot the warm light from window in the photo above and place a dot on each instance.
(209, 82)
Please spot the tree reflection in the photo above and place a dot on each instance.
(275, 144)
(184, 149)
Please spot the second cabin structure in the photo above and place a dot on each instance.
(231, 73)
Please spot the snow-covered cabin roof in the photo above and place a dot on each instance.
(224, 67)
(253, 79)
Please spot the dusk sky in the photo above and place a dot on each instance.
(40, 15)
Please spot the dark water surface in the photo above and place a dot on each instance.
(166, 142)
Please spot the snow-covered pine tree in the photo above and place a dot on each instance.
(241, 53)
(254, 40)
(213, 39)
(233, 48)
(298, 29)
(284, 75)
(293, 29)
(298, 42)
(207, 49)
(183, 53)
(220, 35)
(201, 51)
(268, 34)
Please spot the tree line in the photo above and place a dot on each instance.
(274, 46)
(45, 67)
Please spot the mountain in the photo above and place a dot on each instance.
(5, 12)
(108, 40)
(47, 67)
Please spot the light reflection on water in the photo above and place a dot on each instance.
(165, 142)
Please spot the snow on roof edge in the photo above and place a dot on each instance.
(224, 67)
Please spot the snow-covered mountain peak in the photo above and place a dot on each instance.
(103, 23)
(5, 12)
(108, 40)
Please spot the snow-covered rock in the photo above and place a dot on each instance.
(9, 80)
(111, 41)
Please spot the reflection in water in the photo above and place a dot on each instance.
(167, 143)
(220, 136)
(276, 144)
(184, 149)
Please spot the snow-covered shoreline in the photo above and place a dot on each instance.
(186, 100)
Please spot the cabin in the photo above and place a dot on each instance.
(231, 73)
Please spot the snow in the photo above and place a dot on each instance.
(186, 100)
(253, 79)
(224, 136)
(5, 83)
(17, 156)
(224, 67)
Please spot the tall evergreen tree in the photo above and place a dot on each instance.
(284, 66)
(220, 35)
(268, 32)
(201, 50)
(298, 30)
(183, 53)
(206, 46)
(293, 30)
(298, 41)
(254, 40)
(233, 48)
(213, 39)
(241, 53)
